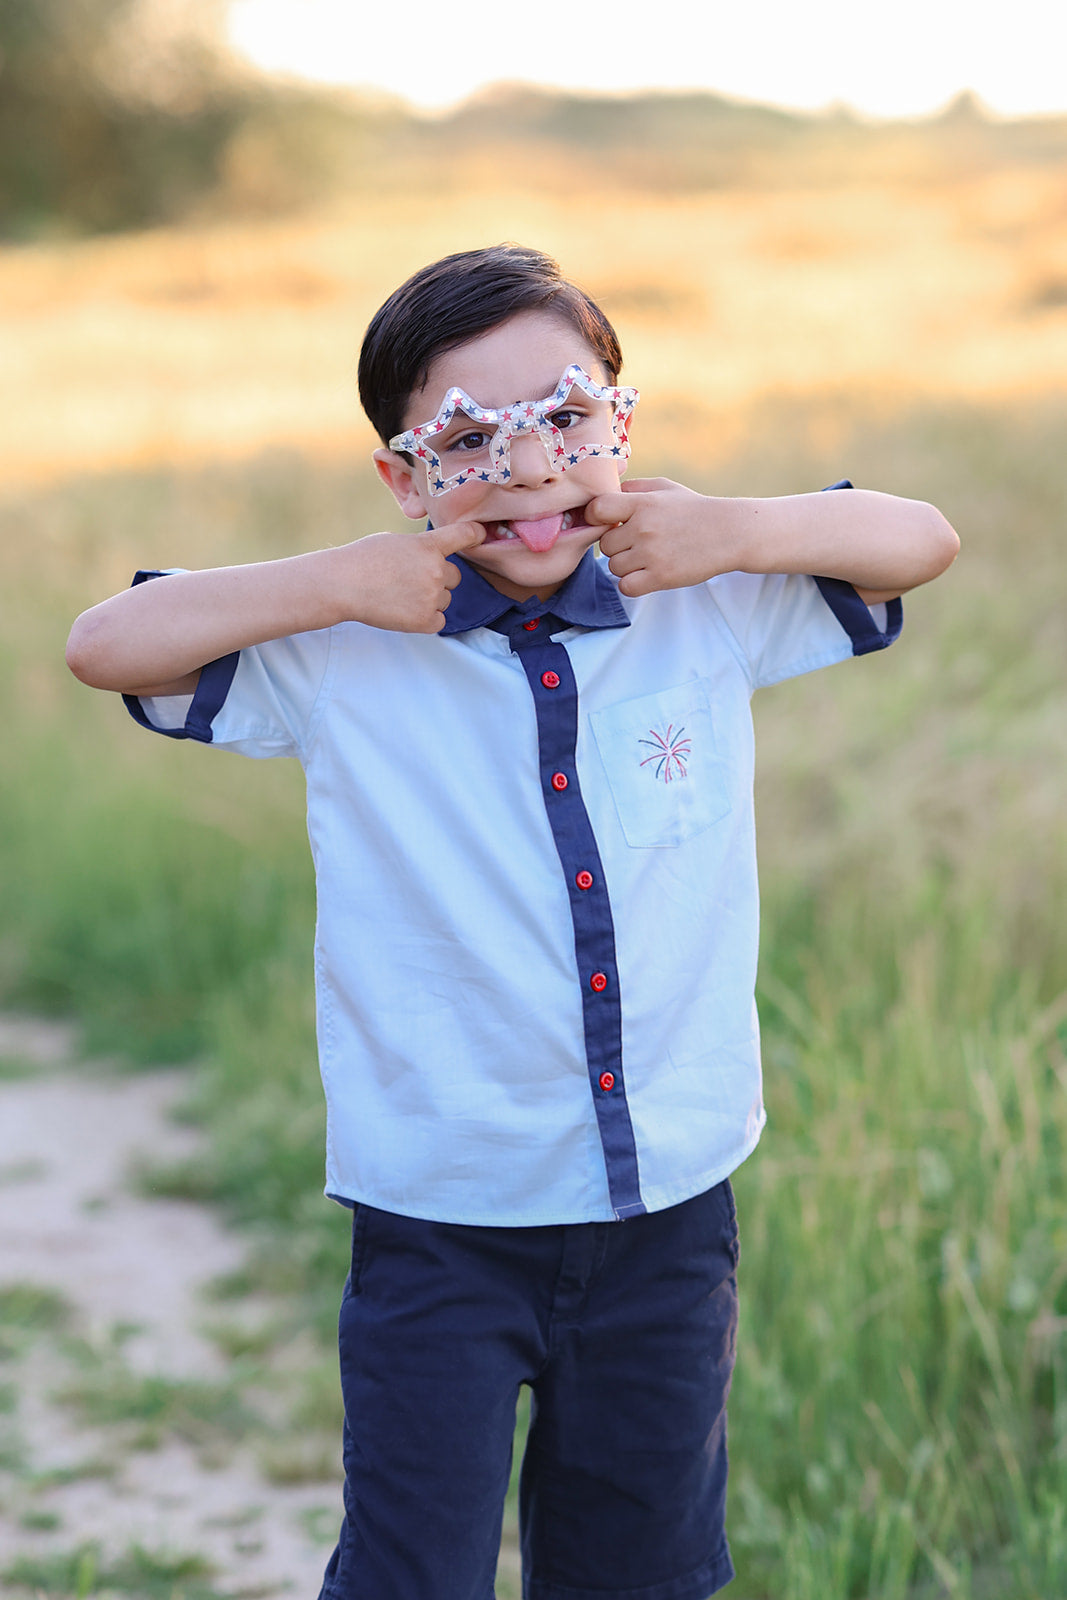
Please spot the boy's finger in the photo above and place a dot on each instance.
(617, 537)
(625, 562)
(607, 509)
(647, 485)
(637, 583)
(457, 536)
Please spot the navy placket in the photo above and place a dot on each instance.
(555, 695)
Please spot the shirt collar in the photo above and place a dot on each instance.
(587, 599)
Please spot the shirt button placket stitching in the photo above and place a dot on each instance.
(593, 928)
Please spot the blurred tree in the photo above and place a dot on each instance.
(124, 113)
(87, 140)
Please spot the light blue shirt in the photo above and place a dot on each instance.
(537, 902)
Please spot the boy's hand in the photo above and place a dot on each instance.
(661, 535)
(153, 639)
(403, 581)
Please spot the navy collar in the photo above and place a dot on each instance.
(587, 599)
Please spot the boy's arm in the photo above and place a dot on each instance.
(153, 639)
(665, 536)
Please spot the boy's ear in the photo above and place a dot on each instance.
(403, 482)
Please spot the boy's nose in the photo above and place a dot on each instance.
(530, 460)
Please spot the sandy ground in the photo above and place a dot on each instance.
(69, 1139)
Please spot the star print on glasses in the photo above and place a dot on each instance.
(477, 442)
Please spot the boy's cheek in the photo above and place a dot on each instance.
(605, 478)
(477, 502)
(459, 505)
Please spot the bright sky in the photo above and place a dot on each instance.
(887, 59)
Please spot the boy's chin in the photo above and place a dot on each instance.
(512, 567)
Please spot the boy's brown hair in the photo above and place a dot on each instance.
(456, 299)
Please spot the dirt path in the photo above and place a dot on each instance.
(122, 1276)
(132, 1270)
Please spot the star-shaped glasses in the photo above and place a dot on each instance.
(490, 462)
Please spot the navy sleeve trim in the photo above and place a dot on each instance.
(855, 617)
(854, 614)
(208, 699)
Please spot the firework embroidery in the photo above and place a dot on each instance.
(670, 752)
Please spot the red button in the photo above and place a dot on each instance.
(607, 1081)
(584, 880)
(559, 781)
(550, 680)
(530, 626)
(598, 981)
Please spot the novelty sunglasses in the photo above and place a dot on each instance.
(491, 462)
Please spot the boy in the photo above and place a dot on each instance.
(530, 808)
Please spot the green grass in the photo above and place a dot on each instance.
(27, 1305)
(26, 1312)
(13, 1068)
(40, 1521)
(83, 1574)
(899, 1417)
(61, 1477)
(104, 1392)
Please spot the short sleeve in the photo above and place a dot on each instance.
(260, 701)
(782, 622)
(785, 624)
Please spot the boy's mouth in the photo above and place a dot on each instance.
(536, 533)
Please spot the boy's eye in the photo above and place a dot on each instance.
(565, 419)
(470, 442)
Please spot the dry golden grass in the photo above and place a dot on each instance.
(183, 346)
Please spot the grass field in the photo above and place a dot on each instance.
(899, 1422)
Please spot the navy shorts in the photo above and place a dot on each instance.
(625, 1334)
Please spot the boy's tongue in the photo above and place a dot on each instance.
(537, 533)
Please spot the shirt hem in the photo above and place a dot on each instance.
(496, 1217)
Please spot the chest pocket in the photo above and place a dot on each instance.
(666, 776)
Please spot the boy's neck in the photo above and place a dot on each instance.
(516, 591)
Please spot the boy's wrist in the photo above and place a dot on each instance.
(733, 533)
(328, 586)
(322, 587)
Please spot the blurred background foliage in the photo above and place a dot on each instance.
(124, 113)
(87, 141)
(800, 298)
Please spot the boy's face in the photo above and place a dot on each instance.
(521, 359)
